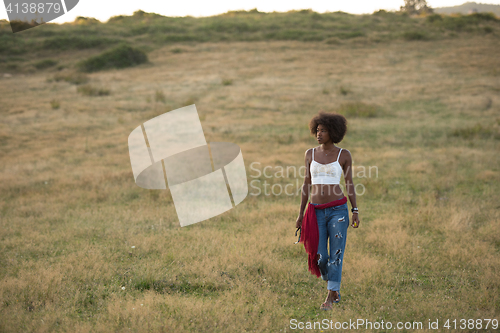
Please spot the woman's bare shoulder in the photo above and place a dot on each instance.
(345, 155)
(308, 155)
(345, 152)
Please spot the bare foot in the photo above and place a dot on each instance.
(333, 296)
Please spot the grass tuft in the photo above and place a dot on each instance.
(88, 90)
(160, 96)
(54, 104)
(344, 90)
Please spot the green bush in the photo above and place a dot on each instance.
(138, 16)
(380, 12)
(434, 18)
(117, 19)
(488, 29)
(483, 17)
(414, 35)
(18, 25)
(81, 20)
(333, 41)
(46, 63)
(76, 43)
(462, 22)
(119, 57)
(12, 67)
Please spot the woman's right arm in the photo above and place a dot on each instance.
(305, 191)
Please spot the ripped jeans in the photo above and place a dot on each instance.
(332, 224)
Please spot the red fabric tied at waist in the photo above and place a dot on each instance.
(310, 232)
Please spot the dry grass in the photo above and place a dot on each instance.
(428, 246)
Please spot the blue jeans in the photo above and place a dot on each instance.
(332, 224)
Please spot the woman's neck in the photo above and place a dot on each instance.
(327, 146)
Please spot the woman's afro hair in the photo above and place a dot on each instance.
(335, 123)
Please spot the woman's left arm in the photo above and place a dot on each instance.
(347, 167)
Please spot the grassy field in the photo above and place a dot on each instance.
(84, 249)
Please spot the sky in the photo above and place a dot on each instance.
(104, 9)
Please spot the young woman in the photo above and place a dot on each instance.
(327, 218)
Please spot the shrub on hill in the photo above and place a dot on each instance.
(18, 25)
(121, 56)
(461, 22)
(81, 20)
(45, 63)
(415, 35)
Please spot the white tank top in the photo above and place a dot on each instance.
(325, 173)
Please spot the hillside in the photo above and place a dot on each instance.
(22, 51)
(469, 7)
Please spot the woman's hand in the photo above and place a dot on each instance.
(298, 224)
(355, 221)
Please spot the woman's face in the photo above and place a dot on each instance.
(322, 134)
